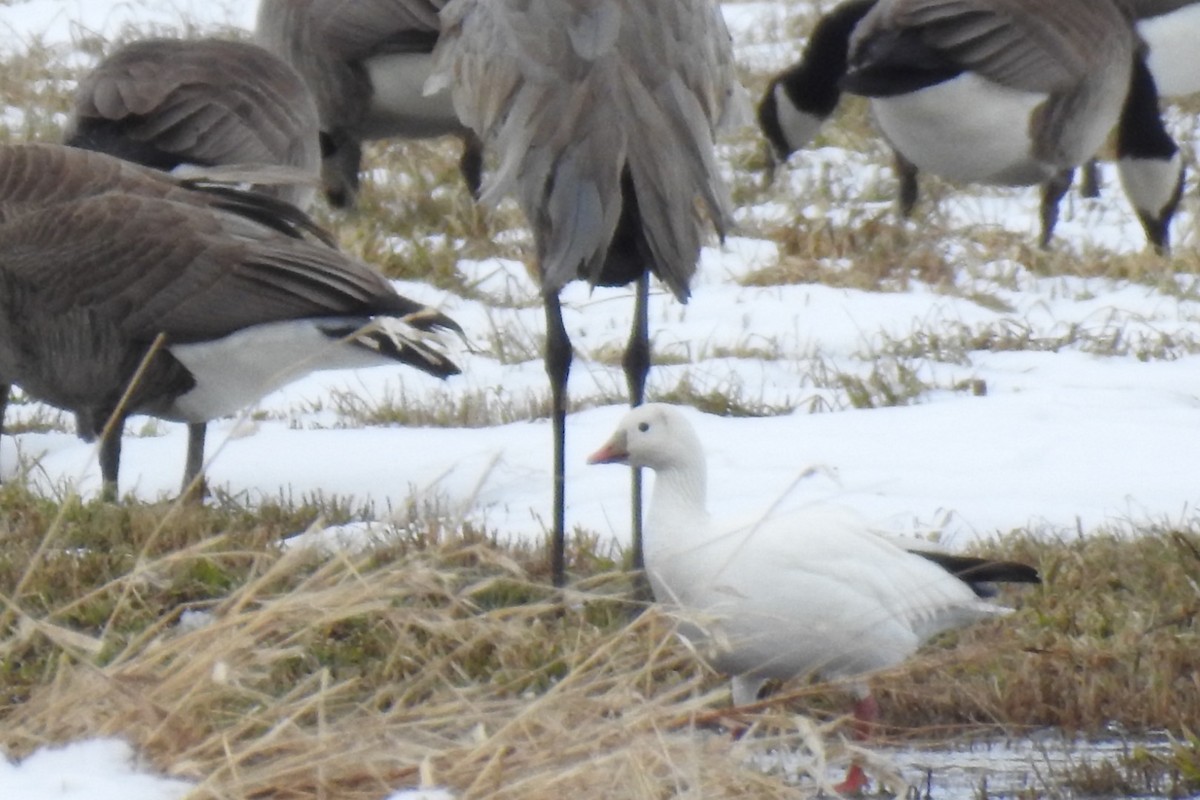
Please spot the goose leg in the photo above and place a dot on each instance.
(110, 459)
(906, 173)
(193, 479)
(866, 714)
(558, 368)
(1089, 184)
(1052, 194)
(637, 367)
(471, 163)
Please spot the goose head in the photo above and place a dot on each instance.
(656, 436)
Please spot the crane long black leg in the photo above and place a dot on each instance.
(637, 367)
(1052, 194)
(194, 466)
(110, 459)
(558, 368)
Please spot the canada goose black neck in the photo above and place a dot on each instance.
(813, 86)
(1148, 159)
(1141, 132)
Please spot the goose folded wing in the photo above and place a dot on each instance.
(216, 102)
(1024, 44)
(34, 177)
(877, 574)
(358, 29)
(158, 266)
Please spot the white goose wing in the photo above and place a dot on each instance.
(813, 590)
(838, 545)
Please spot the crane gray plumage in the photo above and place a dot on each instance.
(603, 114)
(99, 257)
(355, 55)
(207, 102)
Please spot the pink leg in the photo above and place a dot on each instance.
(866, 714)
(856, 781)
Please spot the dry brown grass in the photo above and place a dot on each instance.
(348, 676)
(442, 655)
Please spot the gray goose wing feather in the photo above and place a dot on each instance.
(154, 265)
(1147, 9)
(357, 29)
(1031, 45)
(209, 101)
(33, 176)
(570, 93)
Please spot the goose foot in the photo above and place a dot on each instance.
(856, 781)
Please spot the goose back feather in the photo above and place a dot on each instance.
(208, 102)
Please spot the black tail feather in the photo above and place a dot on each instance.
(981, 573)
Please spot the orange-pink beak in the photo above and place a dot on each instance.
(614, 451)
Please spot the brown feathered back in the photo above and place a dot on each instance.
(209, 102)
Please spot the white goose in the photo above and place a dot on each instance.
(814, 591)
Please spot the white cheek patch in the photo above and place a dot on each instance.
(1150, 183)
(799, 127)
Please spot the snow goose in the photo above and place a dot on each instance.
(603, 114)
(809, 592)
(366, 63)
(952, 81)
(213, 298)
(206, 102)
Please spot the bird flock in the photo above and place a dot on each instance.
(160, 259)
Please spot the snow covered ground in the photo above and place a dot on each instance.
(1066, 434)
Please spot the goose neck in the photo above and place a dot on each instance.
(681, 491)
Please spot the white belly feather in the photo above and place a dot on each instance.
(240, 369)
(967, 129)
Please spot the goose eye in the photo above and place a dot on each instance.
(643, 426)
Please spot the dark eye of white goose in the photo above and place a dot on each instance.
(643, 426)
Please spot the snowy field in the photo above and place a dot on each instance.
(1063, 437)
(1093, 421)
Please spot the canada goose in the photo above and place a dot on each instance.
(207, 102)
(950, 83)
(790, 594)
(366, 64)
(603, 114)
(99, 258)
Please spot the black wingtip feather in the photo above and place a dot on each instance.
(980, 573)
